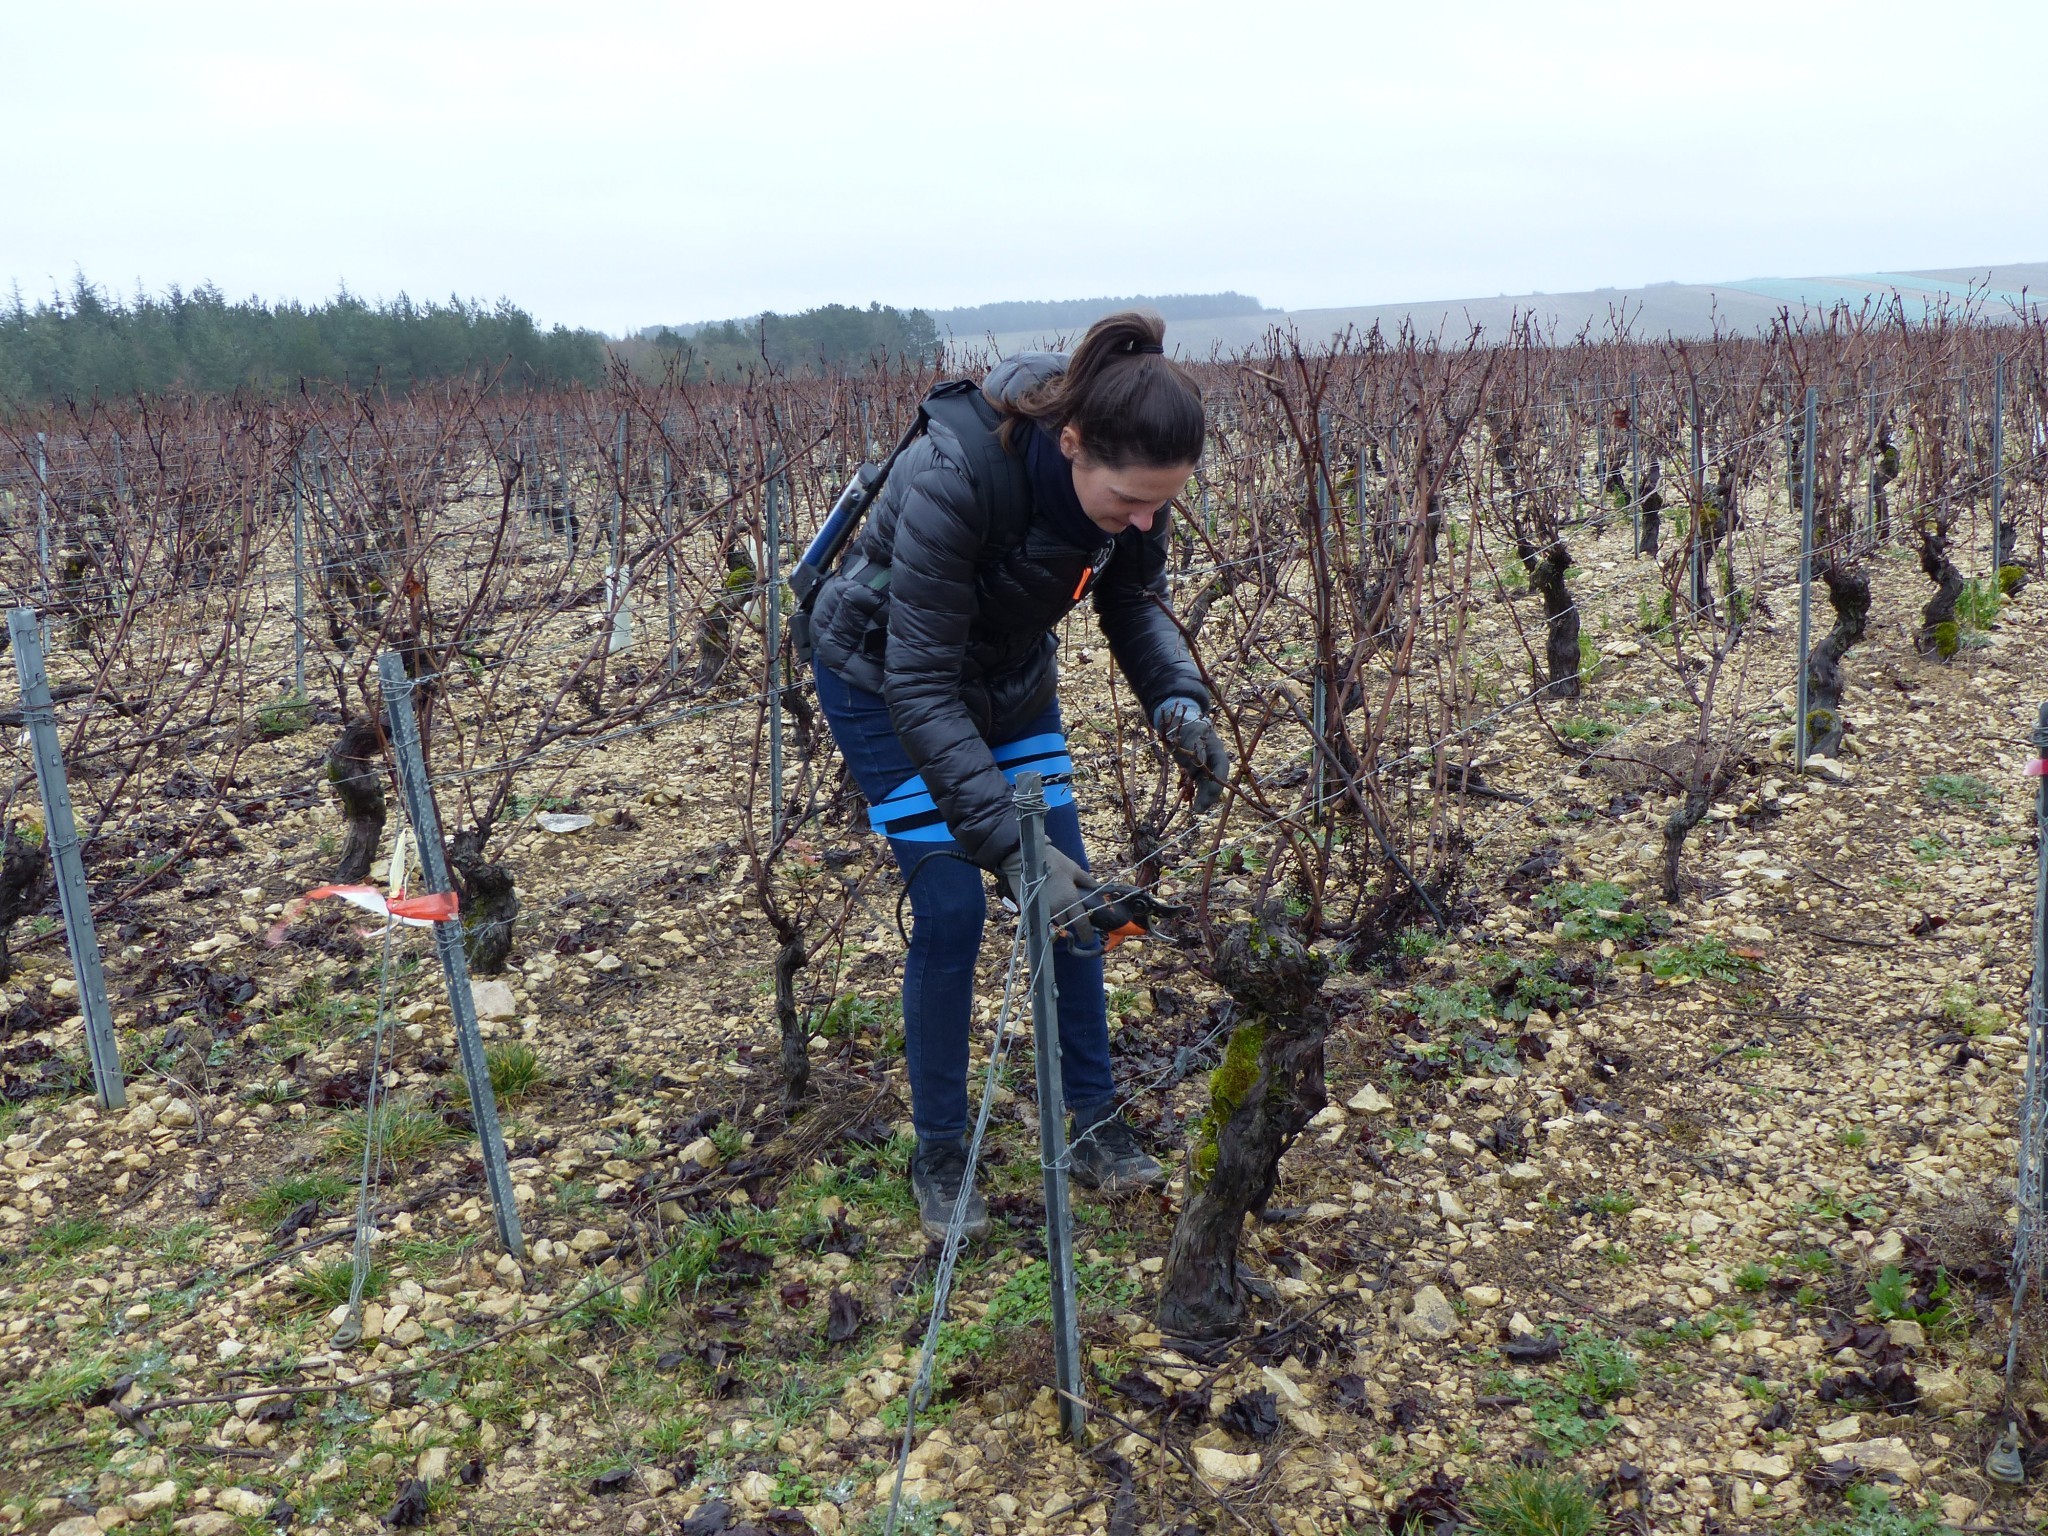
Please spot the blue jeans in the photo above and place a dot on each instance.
(949, 907)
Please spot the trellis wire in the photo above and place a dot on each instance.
(949, 1252)
(350, 1331)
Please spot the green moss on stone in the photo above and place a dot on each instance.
(1948, 639)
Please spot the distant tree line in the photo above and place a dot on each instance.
(838, 336)
(1074, 314)
(831, 337)
(89, 343)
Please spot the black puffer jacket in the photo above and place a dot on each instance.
(960, 642)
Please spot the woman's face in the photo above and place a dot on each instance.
(1116, 499)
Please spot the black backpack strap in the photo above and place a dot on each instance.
(1002, 490)
(1002, 493)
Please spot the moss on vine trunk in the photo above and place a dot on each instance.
(1939, 633)
(1271, 1082)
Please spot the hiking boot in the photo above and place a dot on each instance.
(1106, 1156)
(936, 1174)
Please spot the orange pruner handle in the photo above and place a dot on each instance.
(1116, 936)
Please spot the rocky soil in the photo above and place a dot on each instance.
(1706, 1206)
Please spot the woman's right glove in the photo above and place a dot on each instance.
(1069, 893)
(1196, 747)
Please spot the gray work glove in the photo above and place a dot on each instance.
(1196, 747)
(1069, 892)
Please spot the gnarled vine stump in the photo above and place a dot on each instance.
(490, 903)
(1650, 506)
(1276, 981)
(1561, 620)
(25, 884)
(1939, 634)
(794, 1026)
(1849, 596)
(355, 767)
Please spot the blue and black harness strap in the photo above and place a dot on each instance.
(910, 815)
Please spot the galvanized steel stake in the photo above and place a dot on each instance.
(772, 558)
(616, 577)
(60, 837)
(1635, 470)
(1799, 734)
(1997, 468)
(43, 524)
(1323, 501)
(1699, 512)
(668, 502)
(121, 498)
(2006, 1464)
(425, 818)
(1052, 1129)
(568, 506)
(299, 577)
(2037, 1006)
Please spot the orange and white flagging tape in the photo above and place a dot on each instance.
(414, 911)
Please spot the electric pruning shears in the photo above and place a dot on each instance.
(1116, 911)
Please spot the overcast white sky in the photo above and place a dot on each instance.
(611, 163)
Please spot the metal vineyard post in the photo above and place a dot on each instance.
(425, 819)
(60, 838)
(1052, 1130)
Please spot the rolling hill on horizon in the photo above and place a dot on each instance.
(1651, 309)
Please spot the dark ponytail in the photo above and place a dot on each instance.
(1129, 401)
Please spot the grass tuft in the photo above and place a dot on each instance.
(515, 1070)
(181, 1244)
(1588, 731)
(69, 1235)
(402, 1130)
(310, 1016)
(327, 1284)
(287, 1195)
(1534, 1502)
(850, 1016)
(1600, 1369)
(64, 1382)
(1978, 604)
(675, 1434)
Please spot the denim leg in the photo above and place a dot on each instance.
(948, 910)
